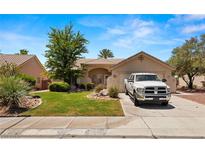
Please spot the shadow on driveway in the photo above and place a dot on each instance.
(154, 105)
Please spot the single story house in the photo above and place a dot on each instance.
(112, 72)
(28, 64)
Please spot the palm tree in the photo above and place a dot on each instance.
(106, 53)
(23, 52)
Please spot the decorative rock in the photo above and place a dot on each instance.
(103, 92)
(99, 96)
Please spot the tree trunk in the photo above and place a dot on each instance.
(190, 84)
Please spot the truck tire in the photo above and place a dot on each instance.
(165, 103)
(126, 91)
(136, 102)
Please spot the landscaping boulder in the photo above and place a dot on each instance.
(103, 92)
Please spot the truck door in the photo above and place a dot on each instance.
(130, 83)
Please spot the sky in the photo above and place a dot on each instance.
(125, 35)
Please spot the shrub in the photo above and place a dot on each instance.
(113, 92)
(203, 83)
(12, 89)
(99, 87)
(29, 79)
(59, 86)
(82, 86)
(8, 69)
(90, 86)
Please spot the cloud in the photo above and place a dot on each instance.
(11, 42)
(92, 21)
(11, 36)
(128, 32)
(116, 31)
(181, 19)
(193, 28)
(195, 17)
(186, 18)
(124, 43)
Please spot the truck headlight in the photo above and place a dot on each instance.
(168, 90)
(140, 90)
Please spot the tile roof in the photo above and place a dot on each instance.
(98, 61)
(15, 59)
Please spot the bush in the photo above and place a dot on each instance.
(203, 83)
(99, 87)
(90, 86)
(59, 86)
(86, 86)
(8, 69)
(12, 89)
(29, 79)
(113, 92)
(82, 86)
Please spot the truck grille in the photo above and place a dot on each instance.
(155, 96)
(155, 90)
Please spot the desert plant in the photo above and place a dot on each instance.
(8, 69)
(12, 89)
(113, 92)
(29, 79)
(99, 87)
(90, 86)
(59, 87)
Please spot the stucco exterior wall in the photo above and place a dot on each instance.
(86, 77)
(136, 65)
(33, 68)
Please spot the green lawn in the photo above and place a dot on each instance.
(74, 104)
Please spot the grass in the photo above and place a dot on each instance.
(74, 104)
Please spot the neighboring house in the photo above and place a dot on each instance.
(112, 72)
(27, 64)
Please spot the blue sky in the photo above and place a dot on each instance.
(125, 35)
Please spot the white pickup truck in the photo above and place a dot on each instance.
(146, 87)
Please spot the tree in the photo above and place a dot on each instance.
(189, 59)
(64, 48)
(23, 52)
(106, 53)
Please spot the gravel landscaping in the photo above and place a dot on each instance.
(196, 97)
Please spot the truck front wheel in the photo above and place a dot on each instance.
(126, 91)
(165, 103)
(136, 102)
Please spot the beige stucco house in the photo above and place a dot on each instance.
(27, 64)
(112, 72)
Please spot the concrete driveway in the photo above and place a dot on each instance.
(180, 119)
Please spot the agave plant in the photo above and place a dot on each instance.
(12, 89)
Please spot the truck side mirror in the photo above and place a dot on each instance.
(164, 80)
(130, 80)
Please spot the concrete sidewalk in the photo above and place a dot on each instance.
(120, 127)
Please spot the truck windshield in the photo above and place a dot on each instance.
(147, 78)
